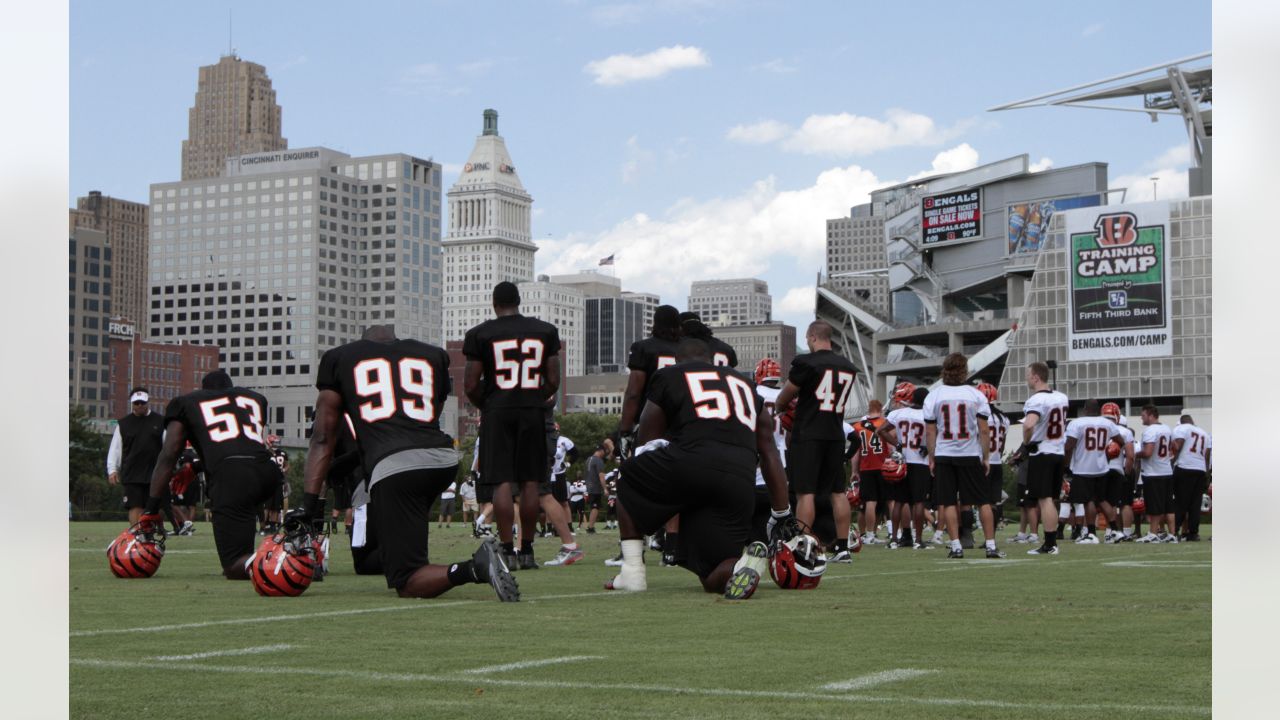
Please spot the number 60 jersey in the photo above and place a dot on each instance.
(392, 391)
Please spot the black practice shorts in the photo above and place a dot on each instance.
(1044, 476)
(995, 484)
(595, 501)
(899, 492)
(816, 467)
(1084, 488)
(400, 518)
(135, 495)
(959, 478)
(871, 486)
(560, 488)
(240, 486)
(1119, 490)
(276, 501)
(918, 484)
(1157, 491)
(342, 495)
(513, 446)
(710, 485)
(194, 494)
(576, 506)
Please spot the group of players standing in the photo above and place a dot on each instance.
(693, 434)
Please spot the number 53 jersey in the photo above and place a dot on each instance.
(393, 393)
(222, 424)
(514, 351)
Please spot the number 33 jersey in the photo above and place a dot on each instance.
(514, 350)
(393, 393)
(222, 424)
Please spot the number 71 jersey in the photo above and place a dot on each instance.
(825, 380)
(392, 391)
(514, 351)
(222, 424)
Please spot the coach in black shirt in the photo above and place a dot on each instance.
(134, 449)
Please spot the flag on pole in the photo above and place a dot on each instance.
(607, 261)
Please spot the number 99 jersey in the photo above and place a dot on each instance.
(514, 351)
(393, 393)
(221, 424)
(702, 402)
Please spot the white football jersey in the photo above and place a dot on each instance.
(998, 425)
(1051, 426)
(1089, 457)
(769, 395)
(909, 422)
(563, 446)
(1161, 437)
(1196, 444)
(1117, 462)
(955, 410)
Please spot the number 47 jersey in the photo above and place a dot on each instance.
(393, 393)
(825, 380)
(514, 350)
(222, 424)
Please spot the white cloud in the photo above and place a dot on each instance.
(637, 157)
(1169, 170)
(291, 63)
(960, 157)
(763, 132)
(762, 228)
(1093, 29)
(776, 65)
(797, 301)
(622, 69)
(1041, 165)
(845, 134)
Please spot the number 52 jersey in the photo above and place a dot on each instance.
(222, 424)
(393, 393)
(514, 350)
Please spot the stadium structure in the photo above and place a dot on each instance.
(1011, 266)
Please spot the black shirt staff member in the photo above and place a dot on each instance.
(134, 449)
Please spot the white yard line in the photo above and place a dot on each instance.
(455, 679)
(226, 653)
(307, 616)
(868, 681)
(530, 663)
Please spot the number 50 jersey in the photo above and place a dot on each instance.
(393, 393)
(514, 350)
(707, 402)
(222, 424)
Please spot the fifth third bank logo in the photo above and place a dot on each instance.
(1117, 299)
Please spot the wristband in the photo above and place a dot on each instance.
(779, 514)
(310, 503)
(153, 506)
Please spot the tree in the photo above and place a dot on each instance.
(88, 489)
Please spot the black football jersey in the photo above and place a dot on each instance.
(707, 402)
(651, 355)
(280, 457)
(393, 393)
(825, 380)
(514, 350)
(222, 424)
(722, 353)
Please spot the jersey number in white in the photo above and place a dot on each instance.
(224, 426)
(416, 379)
(712, 404)
(524, 372)
(826, 392)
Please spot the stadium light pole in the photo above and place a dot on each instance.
(1154, 180)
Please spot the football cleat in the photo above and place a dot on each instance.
(798, 563)
(842, 557)
(1149, 538)
(1044, 550)
(747, 573)
(631, 579)
(668, 560)
(136, 552)
(489, 567)
(1019, 538)
(922, 546)
(994, 554)
(614, 561)
(956, 553)
(568, 557)
(871, 539)
(525, 561)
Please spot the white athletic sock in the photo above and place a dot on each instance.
(1128, 532)
(955, 545)
(888, 526)
(570, 546)
(991, 544)
(480, 520)
(1079, 509)
(633, 553)
(1064, 512)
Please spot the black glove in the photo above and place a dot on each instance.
(627, 444)
(782, 526)
(1033, 446)
(295, 520)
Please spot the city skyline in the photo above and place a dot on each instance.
(665, 150)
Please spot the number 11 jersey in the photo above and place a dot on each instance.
(514, 350)
(393, 393)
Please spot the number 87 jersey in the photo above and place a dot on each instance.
(393, 393)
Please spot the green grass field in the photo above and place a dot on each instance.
(1098, 631)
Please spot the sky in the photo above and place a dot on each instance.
(727, 131)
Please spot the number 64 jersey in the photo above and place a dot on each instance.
(393, 393)
(222, 424)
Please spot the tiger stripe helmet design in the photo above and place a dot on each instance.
(135, 554)
(798, 563)
(1110, 410)
(284, 565)
(902, 392)
(767, 369)
(989, 390)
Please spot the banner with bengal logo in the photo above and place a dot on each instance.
(1119, 295)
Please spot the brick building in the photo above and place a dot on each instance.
(167, 370)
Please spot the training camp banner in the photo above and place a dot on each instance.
(1119, 294)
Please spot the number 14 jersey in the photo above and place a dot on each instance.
(393, 393)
